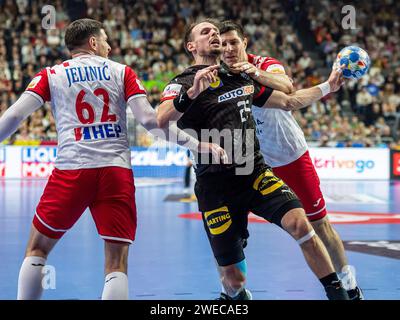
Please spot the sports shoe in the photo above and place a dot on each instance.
(335, 291)
(244, 294)
(356, 294)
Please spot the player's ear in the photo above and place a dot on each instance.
(245, 43)
(190, 46)
(92, 43)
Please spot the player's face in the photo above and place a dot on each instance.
(102, 46)
(233, 48)
(206, 40)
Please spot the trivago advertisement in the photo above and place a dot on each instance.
(351, 163)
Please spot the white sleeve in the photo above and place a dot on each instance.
(147, 116)
(19, 111)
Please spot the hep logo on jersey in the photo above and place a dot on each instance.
(101, 131)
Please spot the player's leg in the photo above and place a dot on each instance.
(30, 274)
(335, 247)
(63, 201)
(114, 212)
(278, 204)
(302, 178)
(226, 231)
(116, 271)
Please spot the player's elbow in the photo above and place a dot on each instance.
(286, 103)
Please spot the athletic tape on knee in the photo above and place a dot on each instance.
(307, 237)
(242, 266)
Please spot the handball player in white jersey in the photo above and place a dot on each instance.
(284, 147)
(89, 95)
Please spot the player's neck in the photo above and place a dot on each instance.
(206, 60)
(80, 52)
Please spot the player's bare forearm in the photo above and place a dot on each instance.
(297, 100)
(280, 82)
(166, 112)
(19, 111)
(305, 97)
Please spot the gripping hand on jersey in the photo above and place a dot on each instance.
(218, 153)
(202, 80)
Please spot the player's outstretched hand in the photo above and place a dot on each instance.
(202, 80)
(335, 79)
(218, 153)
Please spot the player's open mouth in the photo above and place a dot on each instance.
(215, 41)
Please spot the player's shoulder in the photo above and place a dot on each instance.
(187, 75)
(266, 63)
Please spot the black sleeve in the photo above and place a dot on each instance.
(261, 95)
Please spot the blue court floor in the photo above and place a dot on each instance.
(171, 258)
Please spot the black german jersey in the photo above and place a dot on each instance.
(221, 114)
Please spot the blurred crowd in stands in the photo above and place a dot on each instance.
(304, 35)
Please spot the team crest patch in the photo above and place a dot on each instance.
(217, 84)
(34, 82)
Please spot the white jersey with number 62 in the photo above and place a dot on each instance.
(88, 96)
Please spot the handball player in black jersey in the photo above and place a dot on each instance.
(207, 100)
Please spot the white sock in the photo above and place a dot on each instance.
(115, 286)
(30, 278)
(348, 277)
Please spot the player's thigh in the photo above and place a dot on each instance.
(273, 198)
(226, 226)
(66, 196)
(114, 208)
(303, 179)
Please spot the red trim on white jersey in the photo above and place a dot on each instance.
(264, 63)
(132, 84)
(40, 85)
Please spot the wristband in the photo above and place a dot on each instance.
(182, 102)
(325, 88)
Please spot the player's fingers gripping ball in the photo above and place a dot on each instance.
(355, 60)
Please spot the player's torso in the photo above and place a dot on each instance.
(90, 111)
(281, 139)
(225, 107)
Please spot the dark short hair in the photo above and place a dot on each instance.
(188, 32)
(79, 31)
(229, 25)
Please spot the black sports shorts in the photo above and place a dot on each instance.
(226, 199)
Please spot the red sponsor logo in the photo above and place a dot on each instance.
(2, 169)
(335, 217)
(37, 169)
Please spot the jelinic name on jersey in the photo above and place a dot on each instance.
(239, 92)
(87, 74)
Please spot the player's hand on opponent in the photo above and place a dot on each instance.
(202, 80)
(218, 153)
(336, 79)
(245, 67)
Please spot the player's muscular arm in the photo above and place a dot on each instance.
(276, 81)
(305, 97)
(146, 115)
(18, 112)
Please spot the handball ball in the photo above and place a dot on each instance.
(356, 61)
